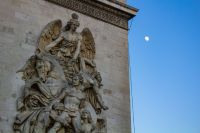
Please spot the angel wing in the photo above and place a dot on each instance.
(50, 33)
(87, 45)
(28, 70)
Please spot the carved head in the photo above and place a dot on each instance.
(98, 77)
(43, 68)
(85, 114)
(73, 23)
(77, 80)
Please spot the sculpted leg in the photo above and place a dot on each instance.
(55, 128)
(61, 120)
(42, 122)
(99, 98)
(76, 124)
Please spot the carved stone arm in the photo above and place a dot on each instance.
(78, 48)
(61, 96)
(57, 100)
(54, 43)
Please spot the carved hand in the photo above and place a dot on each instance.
(49, 108)
(54, 43)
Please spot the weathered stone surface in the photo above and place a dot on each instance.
(124, 1)
(20, 25)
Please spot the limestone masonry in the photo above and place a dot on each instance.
(64, 66)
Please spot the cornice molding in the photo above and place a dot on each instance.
(109, 11)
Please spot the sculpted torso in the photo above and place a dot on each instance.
(54, 85)
(69, 44)
(73, 99)
(71, 37)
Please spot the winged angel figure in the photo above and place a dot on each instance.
(61, 92)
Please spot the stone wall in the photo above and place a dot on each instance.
(21, 22)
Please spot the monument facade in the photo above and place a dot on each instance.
(64, 66)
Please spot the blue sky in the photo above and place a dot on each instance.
(165, 71)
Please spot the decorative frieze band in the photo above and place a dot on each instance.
(97, 10)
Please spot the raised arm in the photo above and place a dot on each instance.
(54, 43)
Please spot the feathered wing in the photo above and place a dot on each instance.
(88, 52)
(92, 99)
(88, 45)
(50, 33)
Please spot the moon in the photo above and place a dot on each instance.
(146, 38)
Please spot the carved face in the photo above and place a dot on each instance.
(85, 114)
(98, 77)
(73, 27)
(42, 67)
(76, 81)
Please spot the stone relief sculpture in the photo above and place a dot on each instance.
(61, 91)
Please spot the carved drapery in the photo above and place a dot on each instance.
(61, 92)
